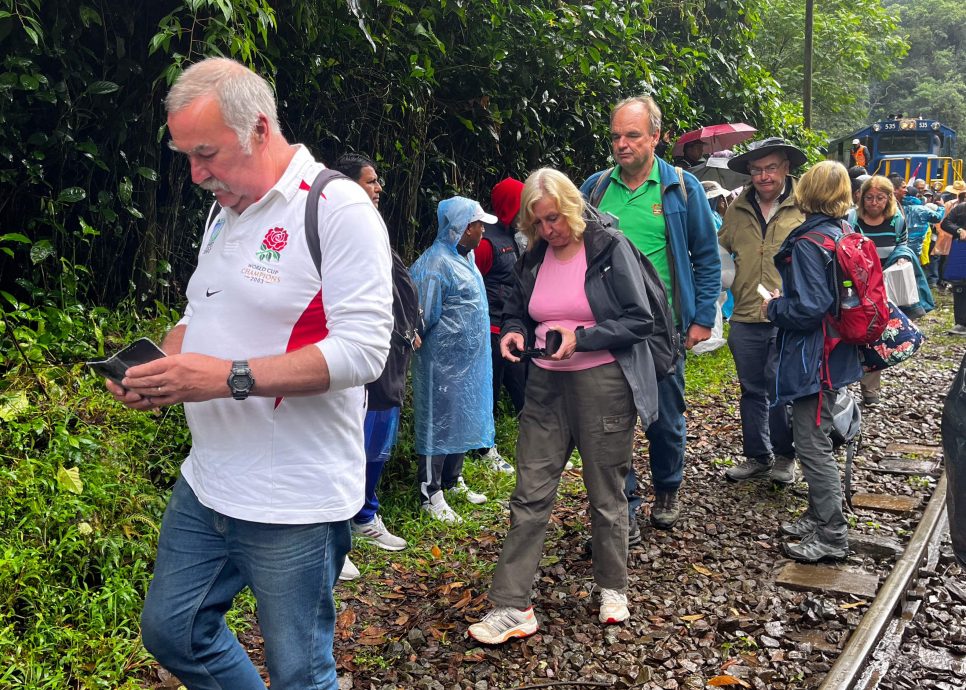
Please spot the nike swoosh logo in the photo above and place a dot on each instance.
(211, 293)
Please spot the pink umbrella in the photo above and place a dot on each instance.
(716, 137)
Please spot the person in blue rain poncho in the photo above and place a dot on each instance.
(452, 380)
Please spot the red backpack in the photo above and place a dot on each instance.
(861, 322)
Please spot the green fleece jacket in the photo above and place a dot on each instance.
(754, 251)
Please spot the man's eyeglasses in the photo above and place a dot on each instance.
(768, 169)
(875, 198)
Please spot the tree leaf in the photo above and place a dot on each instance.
(11, 407)
(726, 680)
(99, 88)
(71, 195)
(41, 250)
(437, 552)
(70, 480)
(15, 237)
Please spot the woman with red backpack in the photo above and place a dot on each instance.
(808, 376)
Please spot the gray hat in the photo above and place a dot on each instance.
(760, 149)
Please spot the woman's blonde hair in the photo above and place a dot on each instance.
(881, 184)
(554, 185)
(825, 189)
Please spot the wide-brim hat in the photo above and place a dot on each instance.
(760, 149)
(958, 187)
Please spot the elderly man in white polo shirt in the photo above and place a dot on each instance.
(270, 361)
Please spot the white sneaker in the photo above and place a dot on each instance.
(501, 624)
(439, 509)
(461, 489)
(377, 533)
(613, 606)
(497, 462)
(349, 570)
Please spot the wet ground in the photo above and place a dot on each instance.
(706, 609)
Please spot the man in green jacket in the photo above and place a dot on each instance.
(755, 226)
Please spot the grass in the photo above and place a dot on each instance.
(707, 375)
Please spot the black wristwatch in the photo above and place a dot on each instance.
(240, 380)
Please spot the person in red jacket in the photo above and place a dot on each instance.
(495, 258)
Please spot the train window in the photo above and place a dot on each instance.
(904, 143)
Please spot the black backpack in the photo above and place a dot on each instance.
(389, 389)
(664, 341)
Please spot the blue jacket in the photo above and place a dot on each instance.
(808, 294)
(452, 371)
(696, 266)
(918, 217)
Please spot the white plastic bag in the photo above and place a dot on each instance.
(717, 331)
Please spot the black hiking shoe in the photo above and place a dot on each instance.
(633, 533)
(812, 549)
(748, 469)
(665, 511)
(801, 528)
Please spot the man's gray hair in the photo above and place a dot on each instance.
(653, 111)
(242, 95)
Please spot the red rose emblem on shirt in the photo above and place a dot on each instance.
(276, 239)
(274, 242)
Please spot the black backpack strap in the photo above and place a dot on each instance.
(212, 214)
(324, 177)
(597, 193)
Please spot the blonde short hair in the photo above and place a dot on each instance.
(825, 189)
(554, 185)
(882, 184)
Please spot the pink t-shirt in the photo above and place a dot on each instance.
(559, 300)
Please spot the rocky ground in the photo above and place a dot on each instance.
(706, 610)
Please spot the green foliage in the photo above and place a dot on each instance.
(82, 488)
(855, 41)
(447, 96)
(930, 80)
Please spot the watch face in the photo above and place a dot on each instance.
(240, 381)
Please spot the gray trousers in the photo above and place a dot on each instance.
(870, 384)
(814, 447)
(594, 410)
(438, 472)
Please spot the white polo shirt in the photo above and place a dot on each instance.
(256, 292)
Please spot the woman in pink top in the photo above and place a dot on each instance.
(582, 279)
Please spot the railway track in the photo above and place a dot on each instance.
(874, 646)
(870, 650)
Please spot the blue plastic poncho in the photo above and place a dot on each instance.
(452, 372)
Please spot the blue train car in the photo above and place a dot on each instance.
(909, 146)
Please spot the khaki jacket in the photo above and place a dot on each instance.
(755, 255)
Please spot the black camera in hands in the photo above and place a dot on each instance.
(553, 342)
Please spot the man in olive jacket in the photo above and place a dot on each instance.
(755, 226)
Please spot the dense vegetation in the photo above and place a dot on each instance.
(98, 223)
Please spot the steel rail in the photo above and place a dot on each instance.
(862, 642)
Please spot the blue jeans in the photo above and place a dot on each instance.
(667, 436)
(380, 430)
(205, 559)
(766, 429)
